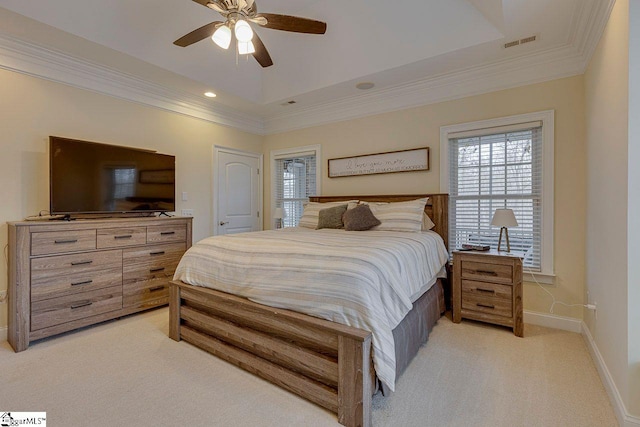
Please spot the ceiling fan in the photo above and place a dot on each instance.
(238, 14)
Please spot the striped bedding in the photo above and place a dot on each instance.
(368, 280)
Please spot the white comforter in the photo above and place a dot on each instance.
(368, 280)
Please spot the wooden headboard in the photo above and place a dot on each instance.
(437, 207)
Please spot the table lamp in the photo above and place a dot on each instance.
(279, 214)
(504, 218)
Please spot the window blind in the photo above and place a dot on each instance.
(295, 182)
(491, 170)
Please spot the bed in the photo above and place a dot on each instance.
(326, 362)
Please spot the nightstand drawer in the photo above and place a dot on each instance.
(487, 290)
(489, 305)
(497, 273)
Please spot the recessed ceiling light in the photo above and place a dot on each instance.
(365, 85)
(210, 94)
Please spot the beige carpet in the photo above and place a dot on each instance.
(128, 372)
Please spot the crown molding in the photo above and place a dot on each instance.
(570, 59)
(50, 64)
(531, 69)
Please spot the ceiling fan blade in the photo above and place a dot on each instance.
(260, 20)
(197, 35)
(261, 54)
(293, 23)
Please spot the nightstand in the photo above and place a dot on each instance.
(487, 286)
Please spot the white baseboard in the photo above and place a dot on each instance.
(552, 321)
(624, 418)
(3, 334)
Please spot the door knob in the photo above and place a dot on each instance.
(224, 222)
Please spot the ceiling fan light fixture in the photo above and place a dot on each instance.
(243, 31)
(245, 48)
(222, 37)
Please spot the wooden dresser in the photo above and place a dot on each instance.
(64, 275)
(487, 286)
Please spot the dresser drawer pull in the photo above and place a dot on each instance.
(167, 233)
(488, 291)
(486, 305)
(155, 270)
(486, 272)
(66, 241)
(81, 304)
(156, 288)
(124, 236)
(86, 282)
(82, 262)
(157, 253)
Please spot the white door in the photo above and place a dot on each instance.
(237, 191)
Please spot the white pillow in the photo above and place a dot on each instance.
(311, 212)
(400, 216)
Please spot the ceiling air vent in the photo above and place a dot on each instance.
(521, 41)
(528, 40)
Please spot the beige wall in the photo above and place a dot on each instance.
(32, 109)
(606, 92)
(421, 127)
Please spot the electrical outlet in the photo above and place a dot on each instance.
(187, 212)
(3, 296)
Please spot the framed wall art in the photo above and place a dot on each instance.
(416, 159)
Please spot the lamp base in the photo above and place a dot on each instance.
(506, 232)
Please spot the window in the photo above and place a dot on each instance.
(296, 176)
(500, 164)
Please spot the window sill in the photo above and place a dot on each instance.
(542, 278)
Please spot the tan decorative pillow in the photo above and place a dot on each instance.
(312, 210)
(400, 216)
(331, 217)
(427, 224)
(359, 218)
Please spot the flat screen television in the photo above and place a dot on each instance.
(88, 177)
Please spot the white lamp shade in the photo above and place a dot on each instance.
(222, 37)
(243, 31)
(245, 48)
(279, 213)
(504, 218)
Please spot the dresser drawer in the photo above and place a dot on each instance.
(55, 242)
(56, 311)
(62, 275)
(166, 233)
(147, 272)
(497, 273)
(121, 237)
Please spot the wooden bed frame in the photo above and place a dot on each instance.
(324, 362)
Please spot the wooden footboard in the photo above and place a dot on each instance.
(324, 362)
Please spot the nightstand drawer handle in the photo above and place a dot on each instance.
(486, 305)
(155, 270)
(487, 272)
(155, 289)
(157, 253)
(86, 282)
(488, 291)
(81, 304)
